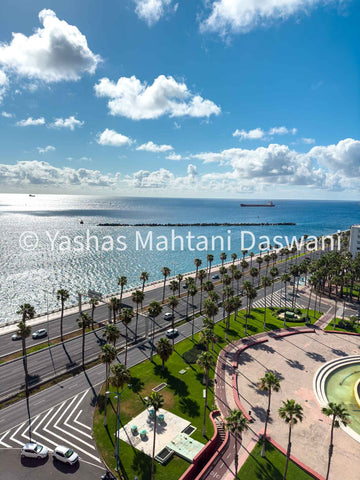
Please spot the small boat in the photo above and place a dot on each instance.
(268, 204)
(81, 222)
(31, 195)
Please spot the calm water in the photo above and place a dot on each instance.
(24, 275)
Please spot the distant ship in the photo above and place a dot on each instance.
(269, 204)
(31, 195)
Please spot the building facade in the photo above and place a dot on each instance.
(355, 239)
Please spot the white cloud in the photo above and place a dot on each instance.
(57, 51)
(152, 147)
(254, 134)
(113, 139)
(342, 158)
(46, 149)
(258, 133)
(39, 174)
(152, 10)
(163, 179)
(174, 156)
(241, 16)
(7, 115)
(308, 141)
(70, 122)
(31, 122)
(132, 99)
(4, 82)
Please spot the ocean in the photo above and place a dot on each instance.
(52, 258)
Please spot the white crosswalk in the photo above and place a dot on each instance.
(278, 300)
(59, 425)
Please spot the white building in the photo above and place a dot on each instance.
(355, 239)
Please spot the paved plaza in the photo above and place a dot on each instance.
(296, 359)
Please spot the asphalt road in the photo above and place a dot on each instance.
(61, 358)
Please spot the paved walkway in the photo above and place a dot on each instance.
(296, 358)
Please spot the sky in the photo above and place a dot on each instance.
(181, 98)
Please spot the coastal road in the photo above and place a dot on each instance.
(7, 346)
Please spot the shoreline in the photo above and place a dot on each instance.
(223, 224)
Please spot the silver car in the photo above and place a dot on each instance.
(65, 455)
(172, 332)
(39, 333)
(34, 450)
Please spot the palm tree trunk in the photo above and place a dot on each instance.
(83, 346)
(61, 322)
(265, 308)
(331, 447)
(126, 344)
(153, 452)
(236, 457)
(201, 293)
(272, 293)
(187, 305)
(288, 453)
(266, 424)
(163, 299)
(136, 322)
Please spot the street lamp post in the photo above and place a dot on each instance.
(117, 424)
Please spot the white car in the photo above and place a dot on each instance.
(172, 332)
(168, 316)
(15, 337)
(39, 334)
(65, 455)
(34, 450)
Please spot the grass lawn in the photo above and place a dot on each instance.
(331, 327)
(270, 468)
(183, 396)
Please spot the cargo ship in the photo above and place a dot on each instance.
(269, 204)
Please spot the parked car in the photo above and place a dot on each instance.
(172, 332)
(34, 450)
(215, 277)
(39, 333)
(65, 455)
(15, 337)
(168, 316)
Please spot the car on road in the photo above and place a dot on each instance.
(65, 455)
(34, 450)
(172, 332)
(185, 286)
(15, 337)
(215, 277)
(168, 316)
(39, 333)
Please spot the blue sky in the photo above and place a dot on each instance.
(218, 98)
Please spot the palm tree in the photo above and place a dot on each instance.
(24, 331)
(154, 311)
(252, 254)
(210, 308)
(251, 295)
(223, 257)
(174, 286)
(120, 376)
(233, 257)
(294, 271)
(259, 261)
(192, 292)
(166, 272)
(267, 260)
(265, 282)
(254, 272)
(144, 277)
(62, 295)
(189, 281)
(173, 303)
(111, 333)
(285, 278)
(206, 360)
(114, 307)
(214, 296)
(122, 282)
(236, 424)
(179, 277)
(274, 272)
(268, 383)
(93, 302)
(84, 322)
(26, 311)
(201, 276)
(210, 259)
(125, 317)
(164, 349)
(339, 416)
(208, 287)
(237, 277)
(107, 356)
(137, 297)
(155, 400)
(291, 412)
(206, 336)
(229, 308)
(197, 263)
(237, 304)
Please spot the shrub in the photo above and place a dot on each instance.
(190, 356)
(348, 325)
